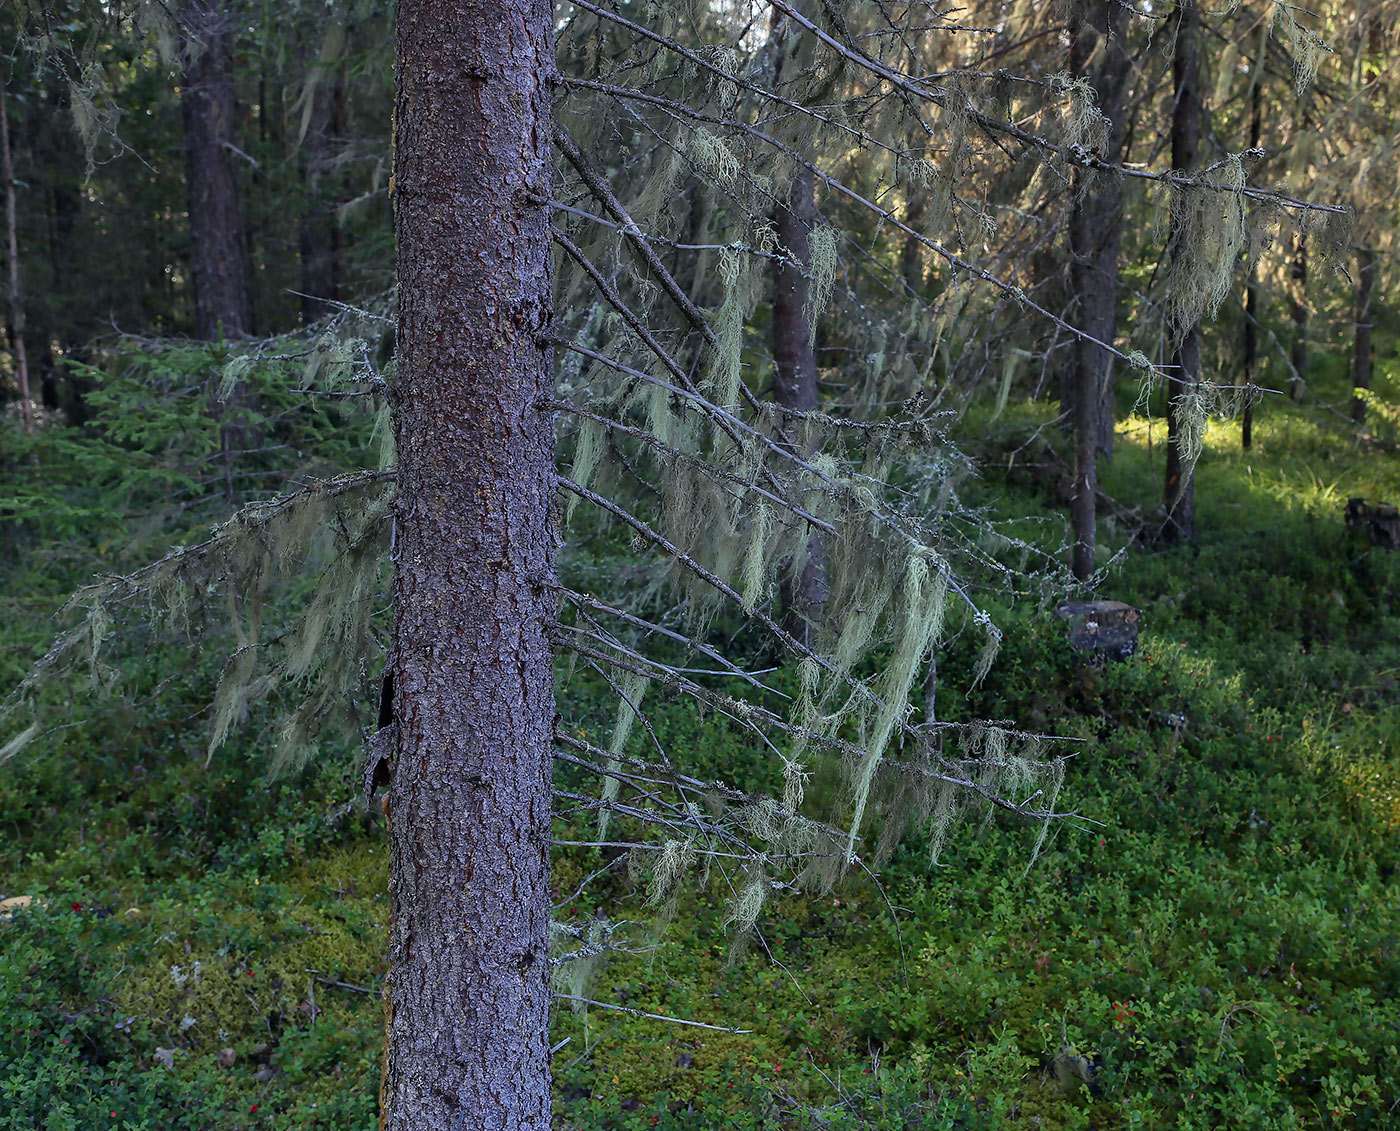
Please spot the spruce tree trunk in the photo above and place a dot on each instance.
(318, 228)
(1251, 359)
(1361, 357)
(1180, 486)
(1096, 52)
(468, 992)
(803, 588)
(15, 303)
(911, 254)
(1251, 299)
(218, 258)
(1299, 353)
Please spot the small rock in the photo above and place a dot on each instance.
(227, 1058)
(264, 1074)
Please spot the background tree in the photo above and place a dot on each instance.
(1185, 414)
(218, 254)
(1098, 57)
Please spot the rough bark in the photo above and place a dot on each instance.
(218, 257)
(468, 992)
(803, 586)
(1361, 356)
(1180, 486)
(1096, 53)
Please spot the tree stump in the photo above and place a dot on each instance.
(1107, 629)
(1379, 521)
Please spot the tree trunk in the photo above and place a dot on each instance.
(1251, 359)
(16, 305)
(468, 992)
(218, 258)
(1299, 354)
(911, 254)
(1096, 52)
(1251, 298)
(319, 245)
(1180, 487)
(803, 586)
(1361, 358)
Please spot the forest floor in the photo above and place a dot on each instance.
(1215, 944)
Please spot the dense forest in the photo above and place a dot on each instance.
(751, 564)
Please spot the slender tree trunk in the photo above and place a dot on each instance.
(1299, 353)
(1096, 52)
(218, 257)
(1251, 298)
(468, 993)
(803, 588)
(320, 260)
(1361, 358)
(1180, 487)
(803, 585)
(16, 304)
(911, 254)
(1251, 359)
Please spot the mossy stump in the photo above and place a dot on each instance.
(1105, 629)
(1379, 521)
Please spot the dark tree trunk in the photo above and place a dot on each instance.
(911, 254)
(468, 992)
(803, 587)
(1251, 299)
(218, 257)
(1361, 358)
(15, 304)
(1251, 359)
(318, 235)
(1299, 353)
(1096, 52)
(1180, 487)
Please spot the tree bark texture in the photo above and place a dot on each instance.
(1180, 486)
(468, 992)
(1096, 52)
(803, 586)
(1361, 357)
(218, 257)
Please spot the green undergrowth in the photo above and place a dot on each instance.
(1213, 941)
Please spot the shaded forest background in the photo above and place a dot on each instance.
(199, 316)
